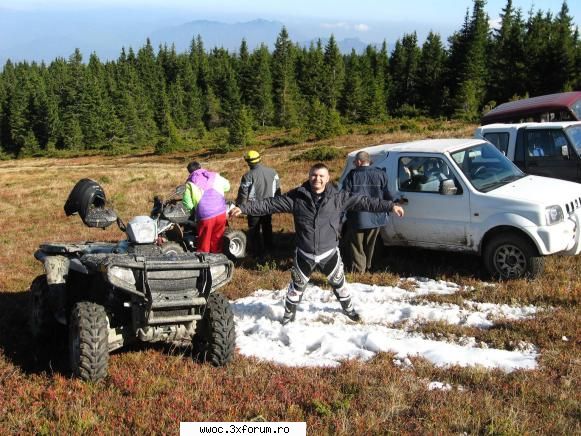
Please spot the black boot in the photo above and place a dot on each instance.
(347, 307)
(290, 311)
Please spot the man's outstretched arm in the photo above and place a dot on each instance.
(268, 206)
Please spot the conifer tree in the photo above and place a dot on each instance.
(310, 72)
(352, 96)
(404, 65)
(468, 65)
(561, 52)
(373, 104)
(284, 82)
(245, 74)
(508, 57)
(261, 101)
(430, 75)
(240, 128)
(333, 74)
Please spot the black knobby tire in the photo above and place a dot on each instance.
(170, 248)
(42, 322)
(234, 244)
(512, 256)
(215, 335)
(88, 341)
(49, 344)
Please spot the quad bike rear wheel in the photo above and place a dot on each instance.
(88, 341)
(215, 335)
(42, 323)
(172, 248)
(234, 244)
(47, 334)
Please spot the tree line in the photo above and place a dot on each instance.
(174, 100)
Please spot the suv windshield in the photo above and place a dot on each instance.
(485, 167)
(574, 133)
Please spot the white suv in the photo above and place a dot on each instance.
(464, 195)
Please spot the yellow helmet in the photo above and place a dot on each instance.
(252, 156)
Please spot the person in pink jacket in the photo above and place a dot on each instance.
(204, 194)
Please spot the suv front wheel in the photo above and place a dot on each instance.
(508, 256)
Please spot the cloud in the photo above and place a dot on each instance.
(339, 25)
(362, 27)
(346, 26)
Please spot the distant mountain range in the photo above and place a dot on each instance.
(229, 36)
(44, 37)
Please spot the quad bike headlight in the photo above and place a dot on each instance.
(117, 273)
(219, 274)
(142, 230)
(121, 277)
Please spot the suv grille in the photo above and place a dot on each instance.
(573, 205)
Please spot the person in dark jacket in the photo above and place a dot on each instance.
(317, 207)
(258, 183)
(363, 227)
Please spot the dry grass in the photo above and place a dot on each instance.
(151, 389)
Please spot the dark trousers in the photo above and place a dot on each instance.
(361, 245)
(258, 243)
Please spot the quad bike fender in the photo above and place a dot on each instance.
(59, 266)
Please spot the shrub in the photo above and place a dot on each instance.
(321, 153)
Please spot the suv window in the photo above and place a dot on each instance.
(574, 133)
(423, 174)
(499, 139)
(576, 108)
(543, 144)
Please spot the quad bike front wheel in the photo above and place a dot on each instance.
(88, 341)
(215, 336)
(234, 244)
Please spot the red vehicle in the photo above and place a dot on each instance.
(565, 106)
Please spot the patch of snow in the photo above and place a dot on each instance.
(436, 385)
(322, 336)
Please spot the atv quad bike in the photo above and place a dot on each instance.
(108, 295)
(176, 226)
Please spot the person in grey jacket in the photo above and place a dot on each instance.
(258, 183)
(317, 207)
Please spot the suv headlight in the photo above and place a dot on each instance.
(554, 215)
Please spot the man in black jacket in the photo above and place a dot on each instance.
(258, 183)
(317, 206)
(362, 226)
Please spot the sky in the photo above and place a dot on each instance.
(364, 11)
(322, 335)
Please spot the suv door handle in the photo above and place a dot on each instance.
(402, 200)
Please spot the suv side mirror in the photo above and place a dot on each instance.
(565, 151)
(448, 187)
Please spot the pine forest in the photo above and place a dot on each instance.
(155, 98)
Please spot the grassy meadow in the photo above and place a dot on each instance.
(151, 389)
